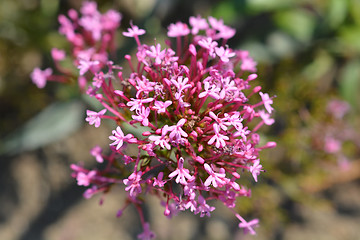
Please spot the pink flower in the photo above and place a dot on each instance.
(134, 31)
(89, 8)
(266, 118)
(248, 226)
(111, 20)
(338, 108)
(220, 139)
(248, 64)
(267, 101)
(147, 234)
(255, 169)
(209, 44)
(94, 118)
(161, 106)
(39, 77)
(203, 208)
(155, 52)
(177, 132)
(57, 54)
(178, 29)
(97, 153)
(142, 116)
(181, 173)
(161, 140)
(119, 138)
(223, 53)
(84, 179)
(85, 65)
(158, 181)
(92, 24)
(332, 145)
(216, 179)
(133, 184)
(220, 121)
(181, 85)
(198, 23)
(136, 104)
(210, 90)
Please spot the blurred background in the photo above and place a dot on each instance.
(308, 55)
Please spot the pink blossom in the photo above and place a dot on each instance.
(161, 140)
(210, 90)
(111, 20)
(266, 118)
(224, 54)
(85, 65)
(144, 86)
(194, 103)
(159, 180)
(203, 208)
(267, 101)
(155, 52)
(97, 153)
(220, 121)
(217, 24)
(92, 24)
(142, 116)
(176, 131)
(133, 184)
(248, 64)
(178, 29)
(332, 145)
(209, 44)
(234, 119)
(226, 32)
(220, 139)
(94, 118)
(39, 77)
(119, 138)
(66, 28)
(161, 106)
(89, 8)
(255, 169)
(338, 108)
(216, 179)
(134, 31)
(181, 173)
(84, 179)
(57, 54)
(136, 104)
(248, 226)
(198, 23)
(147, 234)
(181, 85)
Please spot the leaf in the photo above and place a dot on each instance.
(297, 22)
(337, 12)
(266, 5)
(350, 82)
(349, 38)
(54, 123)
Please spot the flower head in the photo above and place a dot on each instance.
(189, 108)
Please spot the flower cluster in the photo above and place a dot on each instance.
(191, 100)
(334, 132)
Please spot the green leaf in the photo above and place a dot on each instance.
(52, 124)
(349, 38)
(267, 5)
(354, 9)
(350, 82)
(337, 11)
(297, 22)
